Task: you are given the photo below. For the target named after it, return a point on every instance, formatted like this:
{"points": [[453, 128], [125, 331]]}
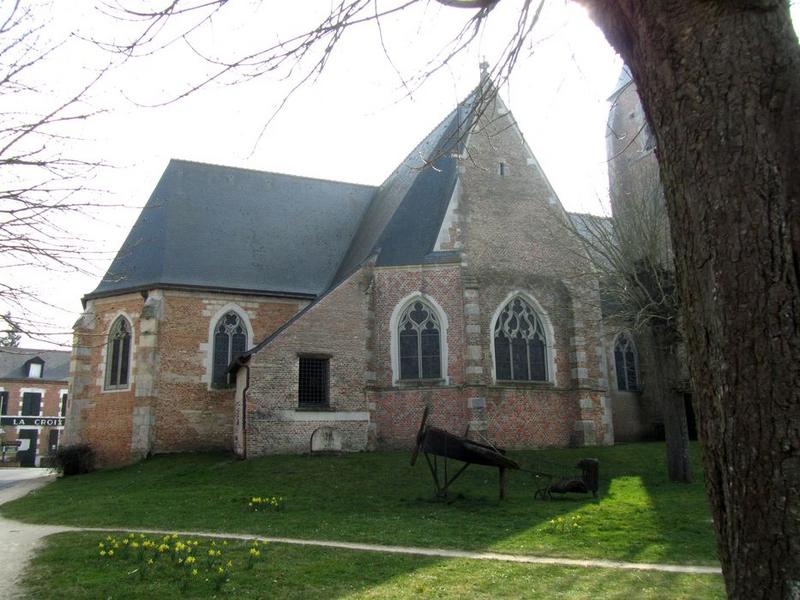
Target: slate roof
{"points": [[12, 363], [222, 228], [214, 227]]}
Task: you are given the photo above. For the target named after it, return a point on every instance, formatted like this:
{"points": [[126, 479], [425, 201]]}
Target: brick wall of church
{"points": [[336, 328], [169, 405], [101, 418]]}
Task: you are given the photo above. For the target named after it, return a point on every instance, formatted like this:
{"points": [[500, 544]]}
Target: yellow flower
{"points": [[194, 571], [220, 570], [111, 553], [102, 552], [180, 561], [150, 561], [230, 564], [211, 553], [190, 560], [131, 535], [135, 545], [101, 545]]}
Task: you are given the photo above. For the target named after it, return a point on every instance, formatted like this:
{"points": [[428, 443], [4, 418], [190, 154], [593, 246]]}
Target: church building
{"points": [[263, 313]]}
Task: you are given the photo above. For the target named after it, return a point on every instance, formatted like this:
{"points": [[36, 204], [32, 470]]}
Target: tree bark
{"points": [[719, 84]]}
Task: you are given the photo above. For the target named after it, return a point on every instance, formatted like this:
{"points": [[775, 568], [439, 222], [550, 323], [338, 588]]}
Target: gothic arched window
{"points": [[118, 355], [519, 343], [230, 340], [419, 335], [625, 363]]}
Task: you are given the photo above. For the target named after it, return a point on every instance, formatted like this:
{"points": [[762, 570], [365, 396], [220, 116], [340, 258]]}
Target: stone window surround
{"points": [[105, 358], [212, 324], [394, 338], [550, 347], [632, 343]]}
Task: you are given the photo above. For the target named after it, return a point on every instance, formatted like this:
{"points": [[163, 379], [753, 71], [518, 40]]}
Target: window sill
{"points": [[412, 383], [542, 385], [116, 389], [315, 408]]}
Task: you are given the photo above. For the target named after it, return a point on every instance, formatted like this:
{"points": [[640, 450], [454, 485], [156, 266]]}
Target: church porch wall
{"points": [[335, 328]]}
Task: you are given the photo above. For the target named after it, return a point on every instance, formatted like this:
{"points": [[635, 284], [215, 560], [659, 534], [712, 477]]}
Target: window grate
{"points": [[313, 383]]}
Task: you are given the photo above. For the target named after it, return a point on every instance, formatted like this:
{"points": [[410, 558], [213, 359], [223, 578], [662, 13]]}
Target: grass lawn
{"points": [[70, 567], [379, 498]]}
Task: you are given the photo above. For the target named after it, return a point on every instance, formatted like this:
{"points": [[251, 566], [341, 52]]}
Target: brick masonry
{"points": [[169, 405], [53, 392]]}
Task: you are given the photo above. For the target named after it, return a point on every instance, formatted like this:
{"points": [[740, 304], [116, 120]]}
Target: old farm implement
{"points": [[440, 446], [583, 478], [438, 443]]}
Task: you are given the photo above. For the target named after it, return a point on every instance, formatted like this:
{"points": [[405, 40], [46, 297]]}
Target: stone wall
{"points": [[337, 328]]}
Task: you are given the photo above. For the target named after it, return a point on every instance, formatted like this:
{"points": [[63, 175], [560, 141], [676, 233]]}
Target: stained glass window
{"points": [[625, 363], [519, 343], [230, 341], [419, 334], [118, 356]]}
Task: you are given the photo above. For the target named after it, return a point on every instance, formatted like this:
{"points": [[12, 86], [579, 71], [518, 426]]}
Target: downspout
{"points": [[240, 363], [244, 412]]}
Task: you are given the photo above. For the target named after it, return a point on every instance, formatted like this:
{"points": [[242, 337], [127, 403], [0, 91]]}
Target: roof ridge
{"points": [[263, 172]]}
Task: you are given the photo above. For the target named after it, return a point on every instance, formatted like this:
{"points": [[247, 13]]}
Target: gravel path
{"points": [[19, 540]]}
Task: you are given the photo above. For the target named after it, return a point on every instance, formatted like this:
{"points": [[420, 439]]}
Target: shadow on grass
{"points": [[69, 567], [378, 498]]}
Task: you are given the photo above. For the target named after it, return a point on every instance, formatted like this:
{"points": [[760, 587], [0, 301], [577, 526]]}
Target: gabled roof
{"points": [[13, 362], [214, 227], [403, 221], [222, 228]]}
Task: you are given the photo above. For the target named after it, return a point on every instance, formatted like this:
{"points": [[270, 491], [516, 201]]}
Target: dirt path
{"points": [[20, 540]]}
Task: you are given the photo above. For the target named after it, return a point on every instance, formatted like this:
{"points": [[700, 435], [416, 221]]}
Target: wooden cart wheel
{"points": [[420, 436]]}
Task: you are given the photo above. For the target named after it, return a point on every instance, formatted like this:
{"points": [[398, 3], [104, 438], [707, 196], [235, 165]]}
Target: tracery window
{"points": [[230, 340], [419, 335], [519, 343], [625, 363], [118, 357]]}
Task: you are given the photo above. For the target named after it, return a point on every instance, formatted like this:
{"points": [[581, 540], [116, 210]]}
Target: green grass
{"points": [[379, 498], [69, 566]]}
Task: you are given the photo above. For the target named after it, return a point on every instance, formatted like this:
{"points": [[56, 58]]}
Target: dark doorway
{"points": [[691, 422], [27, 458]]}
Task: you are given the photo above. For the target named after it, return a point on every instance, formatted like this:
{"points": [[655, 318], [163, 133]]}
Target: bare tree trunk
{"points": [[661, 371], [719, 81]]}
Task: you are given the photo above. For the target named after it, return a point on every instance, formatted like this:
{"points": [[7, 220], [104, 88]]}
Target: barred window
{"points": [[626, 364], [118, 357], [519, 343], [230, 341], [313, 385], [419, 335]]}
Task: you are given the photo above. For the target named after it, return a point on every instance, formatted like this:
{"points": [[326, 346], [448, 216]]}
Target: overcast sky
{"points": [[355, 123]]}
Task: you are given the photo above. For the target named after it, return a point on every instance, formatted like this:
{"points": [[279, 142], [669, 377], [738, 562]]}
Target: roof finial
{"points": [[484, 66]]}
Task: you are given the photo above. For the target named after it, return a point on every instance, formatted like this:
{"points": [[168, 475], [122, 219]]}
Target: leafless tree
{"points": [[42, 174], [631, 256], [719, 82]]}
